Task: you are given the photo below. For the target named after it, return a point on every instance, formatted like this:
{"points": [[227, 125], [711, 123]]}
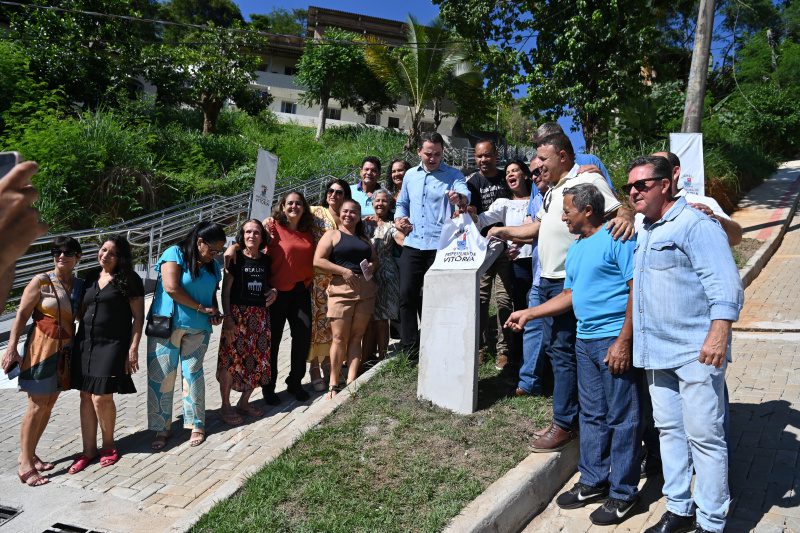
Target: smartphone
{"points": [[364, 264], [13, 372], [8, 160]]}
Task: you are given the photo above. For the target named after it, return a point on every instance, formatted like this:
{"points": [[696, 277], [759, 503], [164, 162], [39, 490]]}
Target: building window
{"points": [[394, 122], [289, 107], [334, 114], [373, 119], [427, 127], [289, 71]]}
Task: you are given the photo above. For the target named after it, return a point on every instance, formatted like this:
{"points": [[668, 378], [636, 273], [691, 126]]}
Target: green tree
{"points": [[335, 67], [282, 21], [86, 55], [589, 55], [218, 64], [223, 13], [423, 70]]}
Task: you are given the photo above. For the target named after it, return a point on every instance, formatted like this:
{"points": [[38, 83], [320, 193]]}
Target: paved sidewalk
{"points": [[146, 491], [763, 383]]}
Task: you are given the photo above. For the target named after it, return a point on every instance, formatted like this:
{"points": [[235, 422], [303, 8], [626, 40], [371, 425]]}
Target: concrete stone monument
{"points": [[448, 355]]}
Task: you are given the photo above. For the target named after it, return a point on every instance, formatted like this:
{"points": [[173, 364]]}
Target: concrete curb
{"points": [[312, 417], [513, 500], [759, 260]]}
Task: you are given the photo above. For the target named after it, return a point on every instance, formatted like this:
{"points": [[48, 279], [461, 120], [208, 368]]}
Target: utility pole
{"points": [[696, 88]]}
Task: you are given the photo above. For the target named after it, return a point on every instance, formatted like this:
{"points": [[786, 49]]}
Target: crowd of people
{"points": [[585, 295]]}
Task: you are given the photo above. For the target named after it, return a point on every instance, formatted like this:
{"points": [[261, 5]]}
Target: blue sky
{"points": [[423, 10]]}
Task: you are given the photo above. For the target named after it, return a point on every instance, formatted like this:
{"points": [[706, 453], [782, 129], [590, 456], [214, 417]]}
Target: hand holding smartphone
{"points": [[364, 264]]}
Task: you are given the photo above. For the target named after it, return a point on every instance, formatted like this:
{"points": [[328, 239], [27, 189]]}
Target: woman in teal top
{"points": [[188, 292]]}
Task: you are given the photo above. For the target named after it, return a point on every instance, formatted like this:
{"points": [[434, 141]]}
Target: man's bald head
{"points": [[675, 163]]}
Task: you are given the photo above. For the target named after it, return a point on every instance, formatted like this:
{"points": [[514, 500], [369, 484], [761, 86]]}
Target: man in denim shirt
{"points": [[421, 211], [687, 293]]}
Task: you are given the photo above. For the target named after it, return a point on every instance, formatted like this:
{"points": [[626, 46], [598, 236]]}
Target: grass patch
{"points": [[743, 251], [385, 461]]}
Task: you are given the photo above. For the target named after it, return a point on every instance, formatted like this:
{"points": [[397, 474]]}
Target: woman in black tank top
{"points": [[348, 255]]}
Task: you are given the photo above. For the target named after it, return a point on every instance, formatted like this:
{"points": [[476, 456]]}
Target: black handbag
{"points": [[159, 326]]}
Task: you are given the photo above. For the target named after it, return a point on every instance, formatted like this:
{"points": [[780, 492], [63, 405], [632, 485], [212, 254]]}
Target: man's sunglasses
{"points": [[639, 185], [336, 192], [56, 252], [536, 171]]}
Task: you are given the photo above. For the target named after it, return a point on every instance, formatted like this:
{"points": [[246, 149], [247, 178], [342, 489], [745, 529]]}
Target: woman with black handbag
{"points": [[107, 347], [52, 298], [186, 291]]}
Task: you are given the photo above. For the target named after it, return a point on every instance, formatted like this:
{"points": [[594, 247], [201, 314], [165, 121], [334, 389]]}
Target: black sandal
{"points": [[333, 390]]}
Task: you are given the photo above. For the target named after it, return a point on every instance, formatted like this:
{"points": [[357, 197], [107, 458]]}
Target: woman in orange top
{"points": [[292, 253]]}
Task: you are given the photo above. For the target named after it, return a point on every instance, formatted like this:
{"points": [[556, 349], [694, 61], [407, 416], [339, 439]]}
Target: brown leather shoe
{"points": [[501, 361], [521, 392], [553, 440]]}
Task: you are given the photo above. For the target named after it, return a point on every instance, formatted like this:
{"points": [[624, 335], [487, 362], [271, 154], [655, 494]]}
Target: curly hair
{"points": [[306, 219], [390, 186]]}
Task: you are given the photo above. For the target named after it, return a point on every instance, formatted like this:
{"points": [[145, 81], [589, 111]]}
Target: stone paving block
{"points": [[122, 492]]}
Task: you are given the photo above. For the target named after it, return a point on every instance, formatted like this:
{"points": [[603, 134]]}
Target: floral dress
{"points": [[320, 326], [387, 302]]}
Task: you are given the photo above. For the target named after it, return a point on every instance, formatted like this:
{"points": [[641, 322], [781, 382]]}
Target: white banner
{"points": [[689, 148], [264, 186]]}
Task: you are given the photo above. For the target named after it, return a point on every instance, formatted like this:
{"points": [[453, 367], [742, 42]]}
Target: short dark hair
{"points": [[431, 137], [559, 141], [585, 194], [306, 219], [661, 166], [67, 243], [372, 159], [348, 194], [486, 140], [673, 159]]}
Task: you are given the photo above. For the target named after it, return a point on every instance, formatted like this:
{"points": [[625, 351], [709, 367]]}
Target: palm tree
{"points": [[423, 70]]}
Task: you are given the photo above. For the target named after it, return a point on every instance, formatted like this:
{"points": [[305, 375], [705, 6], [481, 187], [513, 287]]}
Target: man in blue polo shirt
{"points": [[599, 278], [362, 191], [421, 211]]}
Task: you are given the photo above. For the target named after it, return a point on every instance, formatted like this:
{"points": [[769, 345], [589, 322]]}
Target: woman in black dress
{"points": [[108, 348]]}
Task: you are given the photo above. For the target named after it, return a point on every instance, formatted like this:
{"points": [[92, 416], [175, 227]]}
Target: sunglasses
{"points": [[336, 192], [639, 185], [536, 171], [56, 252]]}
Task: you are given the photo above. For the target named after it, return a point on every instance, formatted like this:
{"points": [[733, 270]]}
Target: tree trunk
{"points": [[696, 87], [437, 115], [211, 108], [412, 143], [590, 128], [323, 116]]}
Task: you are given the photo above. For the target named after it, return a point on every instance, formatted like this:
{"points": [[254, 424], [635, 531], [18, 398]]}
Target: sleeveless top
{"points": [[349, 252]]}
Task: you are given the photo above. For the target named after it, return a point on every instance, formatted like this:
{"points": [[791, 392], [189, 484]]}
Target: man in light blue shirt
{"points": [[422, 208], [687, 294], [362, 191], [599, 272]]}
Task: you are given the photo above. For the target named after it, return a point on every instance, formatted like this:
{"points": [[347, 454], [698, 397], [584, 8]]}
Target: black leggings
{"points": [[295, 306]]}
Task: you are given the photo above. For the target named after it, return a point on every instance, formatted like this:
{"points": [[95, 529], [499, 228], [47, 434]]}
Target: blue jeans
{"points": [[534, 338], [689, 411], [561, 349], [609, 421]]}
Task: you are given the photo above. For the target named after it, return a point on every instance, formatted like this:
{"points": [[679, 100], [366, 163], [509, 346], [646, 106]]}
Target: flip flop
{"points": [[229, 416], [160, 441], [41, 466], [33, 475], [193, 441], [109, 457], [80, 463]]}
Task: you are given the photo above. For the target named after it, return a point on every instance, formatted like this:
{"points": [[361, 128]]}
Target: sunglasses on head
{"points": [[639, 185], [336, 192], [56, 252]]}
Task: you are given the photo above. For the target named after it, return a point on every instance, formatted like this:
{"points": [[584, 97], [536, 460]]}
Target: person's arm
{"points": [[459, 194], [228, 324], [399, 237], [374, 261], [30, 297], [553, 307], [137, 310], [496, 213], [171, 279], [402, 211], [229, 258], [524, 234], [715, 347], [732, 228], [19, 220], [323, 252], [619, 356], [620, 218]]}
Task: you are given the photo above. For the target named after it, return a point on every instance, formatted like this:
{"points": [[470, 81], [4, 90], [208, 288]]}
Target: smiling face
{"points": [[431, 155], [207, 251], [293, 207], [369, 176], [252, 235], [552, 163], [335, 196], [515, 179], [486, 158], [576, 220], [381, 205], [107, 256], [65, 259], [398, 171], [350, 214]]}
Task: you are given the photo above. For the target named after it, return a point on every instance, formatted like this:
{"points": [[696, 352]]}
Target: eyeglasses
{"points": [[336, 192], [536, 171], [56, 252], [639, 185], [214, 252]]}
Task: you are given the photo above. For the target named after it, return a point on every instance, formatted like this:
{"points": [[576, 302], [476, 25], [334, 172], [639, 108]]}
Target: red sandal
{"points": [[80, 463], [35, 476], [109, 457]]}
